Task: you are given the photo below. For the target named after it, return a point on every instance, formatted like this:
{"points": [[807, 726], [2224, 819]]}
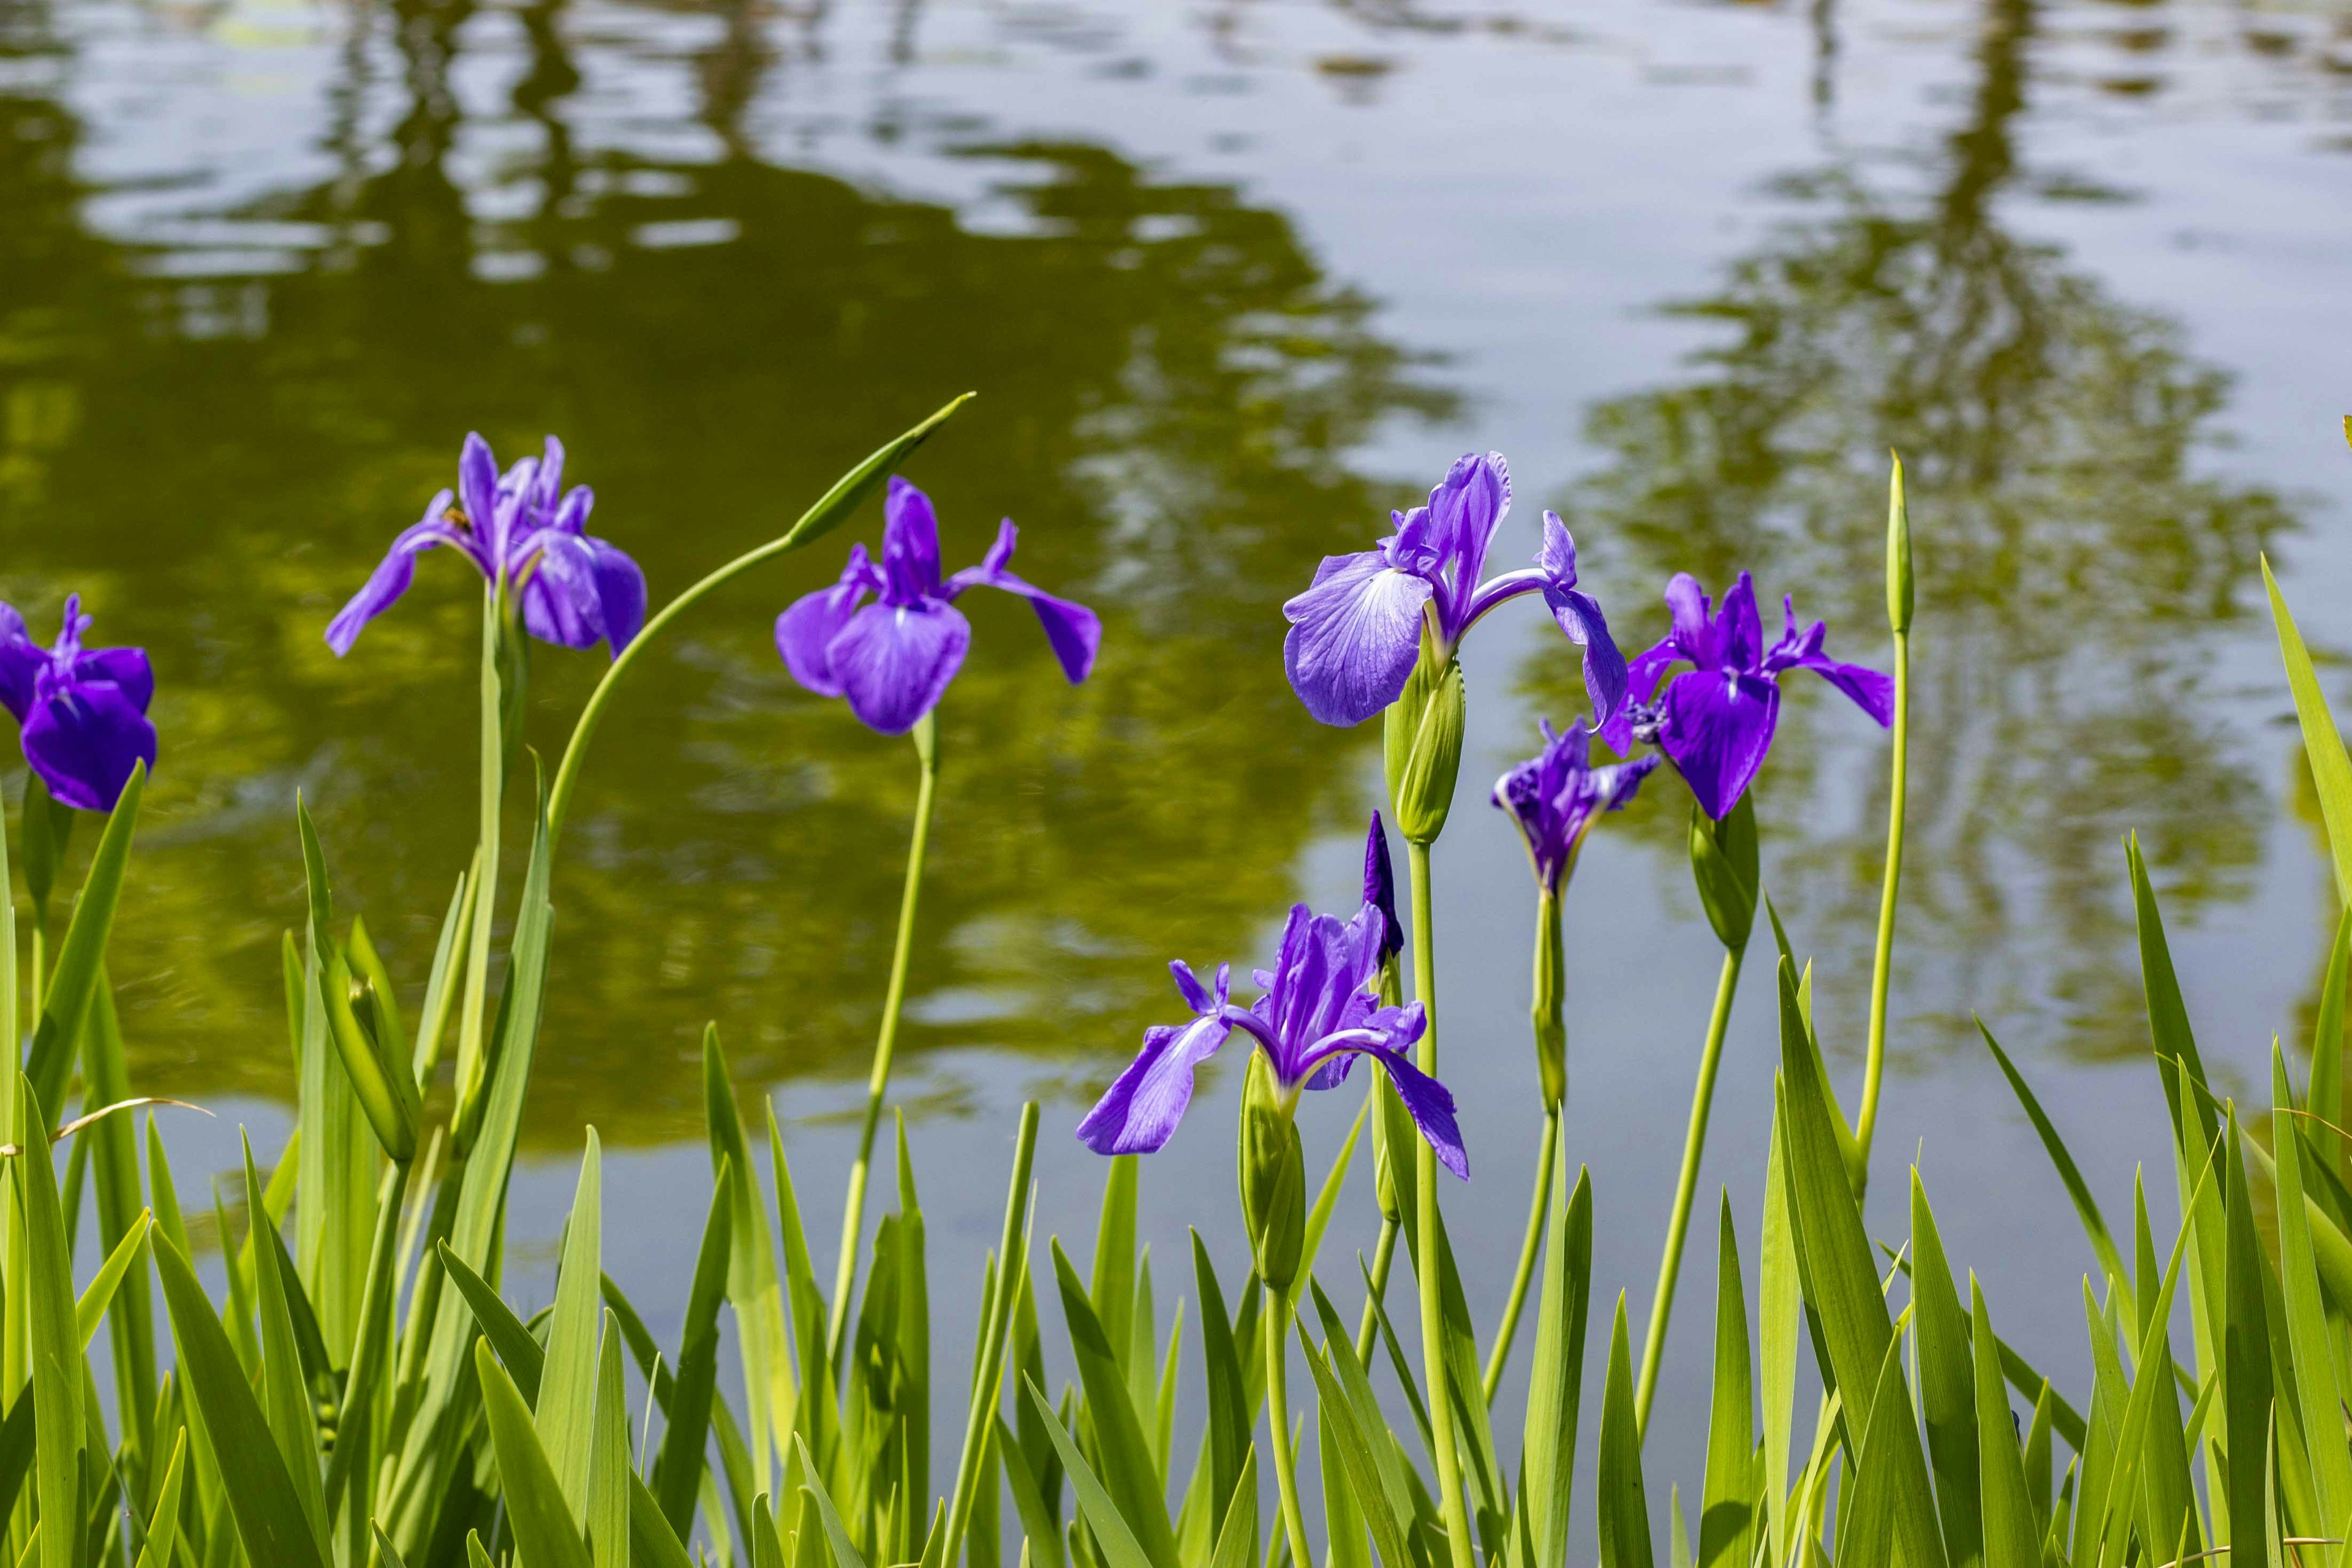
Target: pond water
{"points": [[1231, 279]]}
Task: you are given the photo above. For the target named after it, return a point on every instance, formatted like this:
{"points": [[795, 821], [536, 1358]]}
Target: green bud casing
{"points": [[1723, 865], [1549, 1011], [1898, 555], [1272, 1171], [1421, 742], [43, 832], [385, 1091]]}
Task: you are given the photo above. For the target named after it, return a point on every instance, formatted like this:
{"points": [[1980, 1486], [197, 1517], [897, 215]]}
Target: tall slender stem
{"points": [[1661, 1304], [853, 1212], [1383, 1259], [1539, 1210], [1452, 1507], [1276, 1326], [1883, 965], [472, 1069]]}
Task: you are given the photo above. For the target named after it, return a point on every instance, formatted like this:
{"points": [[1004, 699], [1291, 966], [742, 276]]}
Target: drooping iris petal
{"points": [[895, 661], [560, 603], [1354, 635], [84, 740], [21, 661], [1071, 630], [1718, 726], [394, 573], [620, 590], [1431, 1105], [1139, 1111]]}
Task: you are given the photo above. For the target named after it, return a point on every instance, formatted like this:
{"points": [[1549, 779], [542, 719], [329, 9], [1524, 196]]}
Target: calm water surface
{"points": [[1233, 281]]}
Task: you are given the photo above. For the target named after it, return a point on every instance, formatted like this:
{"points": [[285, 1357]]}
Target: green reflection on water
{"points": [[2078, 568], [1168, 378]]}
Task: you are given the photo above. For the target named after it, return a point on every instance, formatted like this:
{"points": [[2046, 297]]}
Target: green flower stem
{"points": [[1882, 966], [853, 1212], [1452, 1507], [472, 1069], [1277, 1325], [1538, 1212], [1662, 1305], [1383, 1258]]}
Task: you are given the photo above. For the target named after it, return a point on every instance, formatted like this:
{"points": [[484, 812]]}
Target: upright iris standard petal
{"points": [[1318, 1015], [574, 590], [1354, 636], [83, 712], [1717, 721], [1356, 632], [894, 660]]}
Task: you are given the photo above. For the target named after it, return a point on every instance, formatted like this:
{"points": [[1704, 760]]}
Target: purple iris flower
{"points": [[1355, 634], [83, 712], [523, 530], [1315, 1018], [1556, 795], [1717, 721], [893, 659]]}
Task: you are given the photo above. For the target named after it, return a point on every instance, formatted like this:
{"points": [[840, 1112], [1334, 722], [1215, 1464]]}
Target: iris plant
{"points": [[893, 660], [82, 710], [1554, 798], [1715, 723], [1317, 1015]]}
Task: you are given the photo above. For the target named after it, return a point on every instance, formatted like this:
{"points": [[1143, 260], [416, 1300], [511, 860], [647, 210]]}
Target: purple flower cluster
{"points": [[1556, 795], [523, 531], [82, 711], [893, 659]]}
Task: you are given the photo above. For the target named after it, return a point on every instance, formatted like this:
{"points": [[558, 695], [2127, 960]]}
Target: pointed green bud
{"points": [[1723, 864], [1392, 1138], [1273, 1171], [1898, 553], [1421, 742], [43, 833], [385, 1091], [1550, 1001], [368, 972]]}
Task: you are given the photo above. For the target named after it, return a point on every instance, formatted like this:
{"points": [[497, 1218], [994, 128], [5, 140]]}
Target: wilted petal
{"points": [[895, 661], [1141, 1109], [394, 573], [1354, 636], [1718, 727], [84, 740]]}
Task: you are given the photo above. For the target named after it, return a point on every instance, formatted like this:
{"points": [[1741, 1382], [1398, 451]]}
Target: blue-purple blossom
{"points": [[1556, 796], [1315, 1018], [524, 532], [1356, 633], [82, 711], [893, 659], [1380, 889], [1717, 721]]}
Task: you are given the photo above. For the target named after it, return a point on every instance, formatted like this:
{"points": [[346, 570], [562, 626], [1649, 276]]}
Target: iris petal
{"points": [[1718, 727], [21, 661], [1139, 1111], [1354, 636], [394, 573], [84, 740], [895, 661]]}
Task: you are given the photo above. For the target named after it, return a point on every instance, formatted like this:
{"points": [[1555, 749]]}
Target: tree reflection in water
{"points": [[2080, 568], [1169, 383]]}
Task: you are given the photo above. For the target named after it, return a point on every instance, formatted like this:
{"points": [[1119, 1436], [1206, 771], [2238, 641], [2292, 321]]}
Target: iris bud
{"points": [[1898, 555], [1392, 1136], [45, 829], [1421, 739], [386, 1089], [1272, 1179], [1550, 1021], [1723, 864]]}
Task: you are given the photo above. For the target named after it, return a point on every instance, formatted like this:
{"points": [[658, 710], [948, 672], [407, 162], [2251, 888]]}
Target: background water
{"points": [[1232, 280]]}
